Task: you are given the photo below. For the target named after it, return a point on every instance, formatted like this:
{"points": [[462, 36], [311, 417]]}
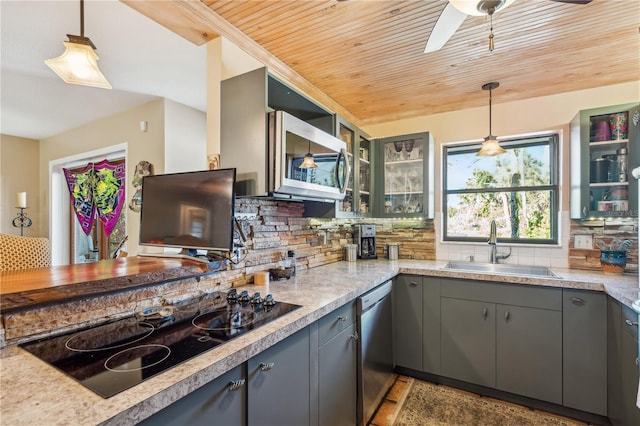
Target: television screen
{"points": [[193, 210]]}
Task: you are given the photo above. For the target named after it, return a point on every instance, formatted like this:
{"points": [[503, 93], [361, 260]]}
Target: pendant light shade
{"points": [[79, 62], [490, 147], [308, 162]]}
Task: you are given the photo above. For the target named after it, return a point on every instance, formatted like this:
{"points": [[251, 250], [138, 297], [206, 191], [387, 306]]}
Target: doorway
{"points": [[64, 230]]}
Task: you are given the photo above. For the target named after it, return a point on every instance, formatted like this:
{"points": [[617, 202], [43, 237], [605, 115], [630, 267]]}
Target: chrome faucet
{"points": [[493, 257], [493, 242]]}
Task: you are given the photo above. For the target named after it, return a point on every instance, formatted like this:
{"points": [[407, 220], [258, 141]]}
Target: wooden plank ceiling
{"points": [[367, 55]]}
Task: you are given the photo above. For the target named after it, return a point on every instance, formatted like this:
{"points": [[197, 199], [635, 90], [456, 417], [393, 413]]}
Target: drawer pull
{"points": [[266, 366], [342, 318], [235, 385], [577, 301], [630, 323], [413, 284], [355, 336], [484, 312]]}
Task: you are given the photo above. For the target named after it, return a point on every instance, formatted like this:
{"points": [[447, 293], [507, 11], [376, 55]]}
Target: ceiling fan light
{"points": [[308, 162], [479, 7], [490, 147], [79, 64]]}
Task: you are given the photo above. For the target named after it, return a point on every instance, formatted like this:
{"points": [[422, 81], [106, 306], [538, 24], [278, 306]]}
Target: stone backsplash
{"points": [[603, 232]]}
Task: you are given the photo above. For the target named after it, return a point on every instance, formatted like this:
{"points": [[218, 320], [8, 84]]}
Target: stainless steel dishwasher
{"points": [[375, 349]]}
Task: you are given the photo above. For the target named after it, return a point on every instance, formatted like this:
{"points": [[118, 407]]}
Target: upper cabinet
{"points": [[605, 145], [405, 176], [246, 101], [358, 199]]}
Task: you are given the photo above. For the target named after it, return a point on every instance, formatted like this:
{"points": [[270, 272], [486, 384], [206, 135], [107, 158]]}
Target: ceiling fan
{"points": [[456, 11]]}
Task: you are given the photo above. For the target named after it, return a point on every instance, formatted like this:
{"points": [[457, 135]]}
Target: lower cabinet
{"points": [[623, 371], [468, 342], [220, 402], [507, 337], [416, 322], [272, 388], [584, 353], [337, 367], [278, 383], [529, 351]]}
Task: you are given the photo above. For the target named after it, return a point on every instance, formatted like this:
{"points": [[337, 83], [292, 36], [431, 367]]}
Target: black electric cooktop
{"points": [[123, 353]]}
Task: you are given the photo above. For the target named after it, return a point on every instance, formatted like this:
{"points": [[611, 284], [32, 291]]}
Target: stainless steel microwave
{"points": [[290, 140]]}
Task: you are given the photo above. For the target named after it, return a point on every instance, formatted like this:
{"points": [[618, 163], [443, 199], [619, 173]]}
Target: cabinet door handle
{"points": [[413, 284], [355, 336], [484, 312], [577, 301], [506, 315], [630, 323], [266, 366], [235, 385]]}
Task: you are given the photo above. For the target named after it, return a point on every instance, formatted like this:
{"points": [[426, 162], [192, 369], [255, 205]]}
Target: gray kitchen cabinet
{"points": [[405, 176], [416, 322], [407, 321], [220, 402], [468, 341], [358, 200], [278, 383], [337, 367], [529, 352], [623, 374], [504, 336], [584, 350], [244, 128], [605, 147], [431, 325]]}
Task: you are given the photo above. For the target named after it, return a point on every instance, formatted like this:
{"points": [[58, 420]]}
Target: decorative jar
{"points": [[613, 261]]}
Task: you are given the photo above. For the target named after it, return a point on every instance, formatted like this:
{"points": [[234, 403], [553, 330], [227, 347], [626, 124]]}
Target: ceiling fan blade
{"points": [[574, 1], [448, 22]]}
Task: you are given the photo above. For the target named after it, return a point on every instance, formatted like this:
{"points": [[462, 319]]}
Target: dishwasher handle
{"points": [[372, 298]]}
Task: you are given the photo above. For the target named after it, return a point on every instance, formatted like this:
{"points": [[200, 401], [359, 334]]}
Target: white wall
{"points": [[185, 138], [510, 119], [19, 172]]}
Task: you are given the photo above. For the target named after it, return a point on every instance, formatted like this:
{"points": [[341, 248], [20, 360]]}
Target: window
{"points": [[518, 189]]}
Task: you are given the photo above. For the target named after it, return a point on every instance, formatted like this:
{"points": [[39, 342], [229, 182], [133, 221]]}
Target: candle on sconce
{"points": [[22, 200]]}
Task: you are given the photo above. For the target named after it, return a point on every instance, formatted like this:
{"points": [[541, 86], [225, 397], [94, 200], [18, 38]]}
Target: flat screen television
{"points": [[191, 211]]}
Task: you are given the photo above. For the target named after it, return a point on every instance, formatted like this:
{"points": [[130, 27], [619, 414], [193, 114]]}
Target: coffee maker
{"points": [[364, 235]]}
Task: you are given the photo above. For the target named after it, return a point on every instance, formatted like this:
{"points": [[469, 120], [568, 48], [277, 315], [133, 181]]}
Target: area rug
{"points": [[428, 404]]}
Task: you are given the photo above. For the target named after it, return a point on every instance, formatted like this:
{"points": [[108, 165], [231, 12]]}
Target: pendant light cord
{"points": [[82, 18], [490, 133]]}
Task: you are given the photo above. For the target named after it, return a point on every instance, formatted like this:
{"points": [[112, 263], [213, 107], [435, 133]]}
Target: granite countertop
{"points": [[34, 392]]}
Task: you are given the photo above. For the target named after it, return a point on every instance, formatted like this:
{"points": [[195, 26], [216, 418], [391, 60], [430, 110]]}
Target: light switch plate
{"points": [[583, 241]]}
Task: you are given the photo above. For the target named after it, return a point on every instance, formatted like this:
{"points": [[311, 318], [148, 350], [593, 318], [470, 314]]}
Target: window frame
{"points": [[553, 187]]}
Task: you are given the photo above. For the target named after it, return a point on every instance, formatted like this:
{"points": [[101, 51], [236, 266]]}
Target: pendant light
{"points": [[79, 62], [308, 162], [490, 147]]}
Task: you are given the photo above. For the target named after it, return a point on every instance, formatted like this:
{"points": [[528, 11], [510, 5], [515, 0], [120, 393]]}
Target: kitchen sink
{"points": [[501, 268]]}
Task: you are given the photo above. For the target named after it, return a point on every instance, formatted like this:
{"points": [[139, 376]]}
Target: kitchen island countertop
{"points": [[34, 392]]}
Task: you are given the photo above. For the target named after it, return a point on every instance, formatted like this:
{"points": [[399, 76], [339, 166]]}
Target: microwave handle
{"points": [[347, 166]]}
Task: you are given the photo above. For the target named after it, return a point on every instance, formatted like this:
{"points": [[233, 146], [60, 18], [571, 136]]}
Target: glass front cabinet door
{"points": [[358, 199], [605, 146], [405, 176]]}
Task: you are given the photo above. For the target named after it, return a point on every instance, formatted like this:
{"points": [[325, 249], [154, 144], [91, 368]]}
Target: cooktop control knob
{"points": [[256, 299], [268, 300], [244, 297], [232, 296]]}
